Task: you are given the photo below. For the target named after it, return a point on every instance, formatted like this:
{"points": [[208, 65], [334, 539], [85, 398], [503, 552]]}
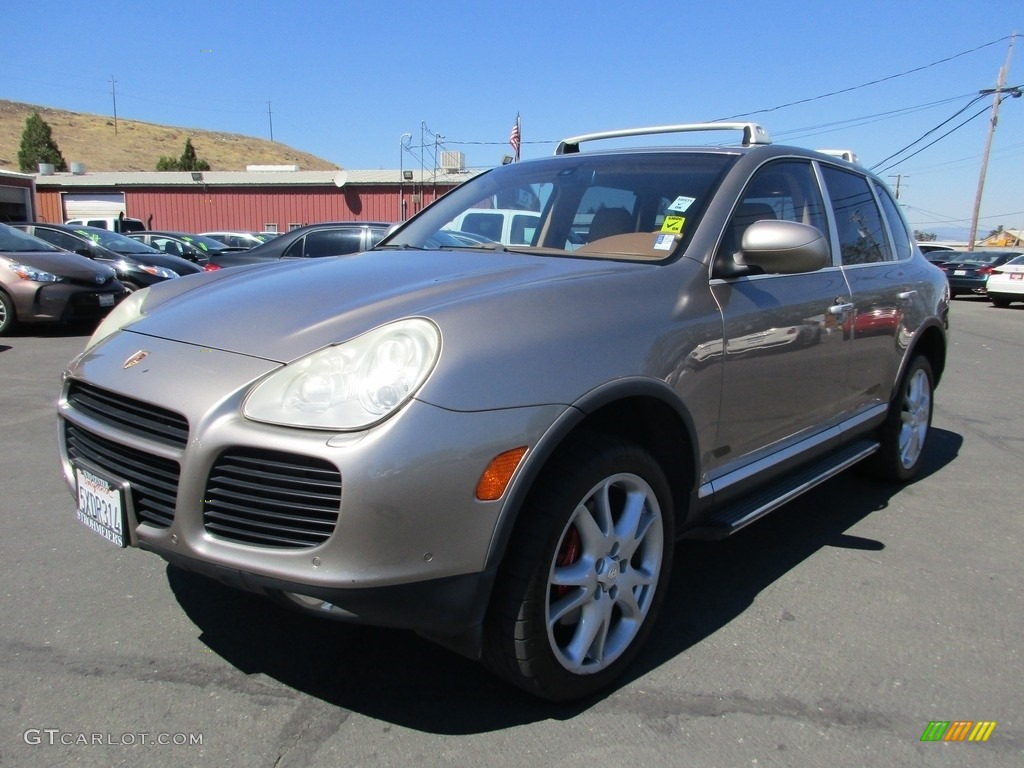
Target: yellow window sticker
{"points": [[673, 224]]}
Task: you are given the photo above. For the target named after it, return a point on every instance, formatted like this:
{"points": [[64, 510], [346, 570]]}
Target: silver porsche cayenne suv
{"points": [[498, 443]]}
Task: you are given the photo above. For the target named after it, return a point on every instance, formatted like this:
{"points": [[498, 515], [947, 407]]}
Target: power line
{"points": [[863, 85], [928, 133]]}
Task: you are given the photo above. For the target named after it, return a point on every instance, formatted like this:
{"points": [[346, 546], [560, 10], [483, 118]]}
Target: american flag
{"points": [[513, 139]]}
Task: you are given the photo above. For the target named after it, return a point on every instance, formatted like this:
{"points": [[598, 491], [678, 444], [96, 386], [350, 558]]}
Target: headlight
{"points": [[36, 275], [352, 385], [128, 311], [166, 274]]}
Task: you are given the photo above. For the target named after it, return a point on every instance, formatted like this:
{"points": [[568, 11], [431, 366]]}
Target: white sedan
{"points": [[1006, 283]]}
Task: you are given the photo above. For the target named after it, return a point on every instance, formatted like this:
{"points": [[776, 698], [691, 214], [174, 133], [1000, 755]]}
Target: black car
{"points": [[967, 272], [195, 248], [137, 265], [333, 238]]}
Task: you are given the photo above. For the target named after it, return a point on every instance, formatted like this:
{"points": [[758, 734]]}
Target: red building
{"points": [[261, 200]]}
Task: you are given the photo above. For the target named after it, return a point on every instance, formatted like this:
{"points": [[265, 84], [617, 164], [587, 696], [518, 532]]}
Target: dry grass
{"points": [[137, 146]]}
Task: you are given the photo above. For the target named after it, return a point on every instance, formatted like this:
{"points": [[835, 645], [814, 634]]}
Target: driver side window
{"points": [[783, 191]]}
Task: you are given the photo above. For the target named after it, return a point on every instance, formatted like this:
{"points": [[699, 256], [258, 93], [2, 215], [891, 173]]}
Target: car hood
{"points": [[63, 264], [157, 259], [286, 310]]}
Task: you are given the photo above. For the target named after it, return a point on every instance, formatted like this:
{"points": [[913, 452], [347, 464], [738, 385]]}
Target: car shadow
{"points": [[396, 677], [52, 330]]}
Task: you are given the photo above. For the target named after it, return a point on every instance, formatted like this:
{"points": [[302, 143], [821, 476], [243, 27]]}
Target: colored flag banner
{"points": [[513, 138], [958, 730]]}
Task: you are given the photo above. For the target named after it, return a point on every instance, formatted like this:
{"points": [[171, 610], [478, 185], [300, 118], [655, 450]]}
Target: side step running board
{"points": [[750, 508]]}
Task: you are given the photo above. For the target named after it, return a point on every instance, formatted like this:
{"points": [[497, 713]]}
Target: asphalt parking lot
{"points": [[831, 633]]}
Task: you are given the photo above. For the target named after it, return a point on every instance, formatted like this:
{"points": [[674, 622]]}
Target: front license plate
{"points": [[101, 506], [106, 299]]}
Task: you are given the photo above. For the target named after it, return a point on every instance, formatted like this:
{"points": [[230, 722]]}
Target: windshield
{"points": [[15, 241], [622, 206], [114, 241]]}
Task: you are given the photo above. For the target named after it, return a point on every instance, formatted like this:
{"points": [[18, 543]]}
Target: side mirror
{"points": [[784, 247]]}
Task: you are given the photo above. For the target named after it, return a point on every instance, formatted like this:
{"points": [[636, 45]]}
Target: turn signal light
{"points": [[496, 477]]}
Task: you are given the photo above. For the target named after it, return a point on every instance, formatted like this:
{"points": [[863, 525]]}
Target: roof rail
{"points": [[752, 134], [844, 154]]}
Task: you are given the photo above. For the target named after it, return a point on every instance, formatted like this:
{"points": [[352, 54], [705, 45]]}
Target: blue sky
{"points": [[345, 80]]}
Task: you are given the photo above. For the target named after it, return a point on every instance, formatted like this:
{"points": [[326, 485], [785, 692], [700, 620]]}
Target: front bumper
{"points": [[408, 543], [52, 302]]}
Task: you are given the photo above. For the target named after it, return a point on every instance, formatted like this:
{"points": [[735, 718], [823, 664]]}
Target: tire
{"points": [[1000, 303], [130, 286], [904, 433], [584, 574], [8, 317]]}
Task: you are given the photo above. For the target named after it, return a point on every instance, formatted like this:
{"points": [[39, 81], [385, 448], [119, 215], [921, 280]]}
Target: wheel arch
{"points": [[930, 342], [644, 411]]}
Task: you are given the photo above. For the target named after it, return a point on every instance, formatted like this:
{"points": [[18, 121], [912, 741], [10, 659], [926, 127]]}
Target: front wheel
{"points": [[8, 318], [904, 433], [585, 572]]}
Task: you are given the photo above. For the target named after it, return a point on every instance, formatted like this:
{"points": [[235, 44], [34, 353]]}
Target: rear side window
{"points": [[898, 227], [484, 224], [332, 242], [862, 238]]}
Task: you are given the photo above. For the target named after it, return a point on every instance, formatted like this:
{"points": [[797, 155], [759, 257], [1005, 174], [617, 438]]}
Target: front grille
{"points": [[153, 480], [272, 499], [129, 415]]}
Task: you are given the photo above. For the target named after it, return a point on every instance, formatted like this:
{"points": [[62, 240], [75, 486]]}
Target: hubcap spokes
{"points": [[597, 601], [914, 417]]}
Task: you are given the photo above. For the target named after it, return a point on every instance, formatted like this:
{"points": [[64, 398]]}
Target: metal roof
{"points": [[246, 178]]}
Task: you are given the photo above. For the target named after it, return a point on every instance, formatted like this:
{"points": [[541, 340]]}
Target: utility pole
{"points": [[899, 180], [113, 94], [998, 91], [270, 117]]}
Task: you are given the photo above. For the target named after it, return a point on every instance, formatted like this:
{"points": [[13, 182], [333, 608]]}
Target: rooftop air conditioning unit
{"points": [[453, 162]]}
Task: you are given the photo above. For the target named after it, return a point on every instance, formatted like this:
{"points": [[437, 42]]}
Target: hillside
{"points": [[90, 139]]}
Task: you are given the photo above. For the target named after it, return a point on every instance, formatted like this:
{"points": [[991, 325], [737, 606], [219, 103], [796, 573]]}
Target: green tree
{"points": [[38, 146], [924, 237], [187, 162]]}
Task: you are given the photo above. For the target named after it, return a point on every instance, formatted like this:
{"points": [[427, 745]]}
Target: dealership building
{"points": [[17, 196], [261, 198]]}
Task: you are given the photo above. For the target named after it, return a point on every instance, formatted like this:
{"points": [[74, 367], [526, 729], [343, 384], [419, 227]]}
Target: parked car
{"points": [[40, 283], [498, 445], [122, 223], [332, 238], [194, 248], [1006, 283], [511, 226], [968, 271], [137, 265], [927, 248], [241, 239]]}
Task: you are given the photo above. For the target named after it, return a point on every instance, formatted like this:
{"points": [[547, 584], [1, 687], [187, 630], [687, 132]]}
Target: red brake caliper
{"points": [[568, 554]]}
